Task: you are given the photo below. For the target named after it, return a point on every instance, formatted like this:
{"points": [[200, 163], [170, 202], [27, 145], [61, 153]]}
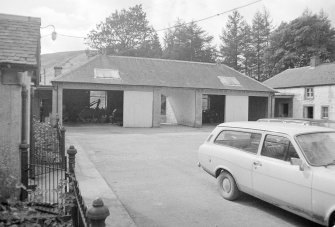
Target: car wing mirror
{"points": [[297, 162]]}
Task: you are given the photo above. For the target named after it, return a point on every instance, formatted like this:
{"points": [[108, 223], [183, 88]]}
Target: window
{"points": [[229, 81], [278, 147], [246, 141], [107, 74], [309, 93], [98, 99], [318, 147], [324, 111]]}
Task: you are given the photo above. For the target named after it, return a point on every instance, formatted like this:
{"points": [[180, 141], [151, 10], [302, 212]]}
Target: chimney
{"points": [[315, 61], [58, 70]]}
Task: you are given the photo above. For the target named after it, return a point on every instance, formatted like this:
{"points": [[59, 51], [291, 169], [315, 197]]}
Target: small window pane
{"points": [[309, 93], [242, 140]]}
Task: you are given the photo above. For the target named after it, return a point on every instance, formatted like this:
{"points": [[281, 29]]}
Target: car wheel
{"points": [[332, 221], [227, 186]]}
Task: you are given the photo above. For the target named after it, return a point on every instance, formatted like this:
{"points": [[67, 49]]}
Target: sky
{"points": [[78, 17]]}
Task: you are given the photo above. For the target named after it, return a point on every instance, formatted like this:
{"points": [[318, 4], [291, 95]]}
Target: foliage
{"points": [[126, 33], [293, 44], [188, 42], [243, 46], [35, 213], [46, 143], [232, 40], [247, 52], [260, 35]]}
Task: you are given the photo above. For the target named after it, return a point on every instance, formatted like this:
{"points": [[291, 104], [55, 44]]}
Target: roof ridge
{"points": [[61, 52], [161, 59], [19, 17], [75, 68]]}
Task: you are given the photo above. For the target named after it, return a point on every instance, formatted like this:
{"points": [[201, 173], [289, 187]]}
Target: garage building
{"points": [[146, 92]]}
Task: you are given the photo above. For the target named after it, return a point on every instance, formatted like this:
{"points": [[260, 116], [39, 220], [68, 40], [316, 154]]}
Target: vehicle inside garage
{"points": [[85, 106], [213, 109]]}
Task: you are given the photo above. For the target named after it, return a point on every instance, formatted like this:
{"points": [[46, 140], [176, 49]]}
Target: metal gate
{"points": [[47, 163]]}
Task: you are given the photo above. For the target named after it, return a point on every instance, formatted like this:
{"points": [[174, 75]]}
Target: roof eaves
{"points": [[20, 63], [305, 85]]}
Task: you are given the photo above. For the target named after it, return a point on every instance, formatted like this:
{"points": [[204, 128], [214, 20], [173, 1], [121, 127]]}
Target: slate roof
{"points": [[160, 72], [323, 74], [67, 60], [19, 39]]}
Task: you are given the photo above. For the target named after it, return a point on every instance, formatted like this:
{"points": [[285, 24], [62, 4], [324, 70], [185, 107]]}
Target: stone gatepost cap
{"points": [[72, 150], [98, 211]]}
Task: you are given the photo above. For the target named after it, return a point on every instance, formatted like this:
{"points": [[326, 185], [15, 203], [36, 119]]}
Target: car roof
{"points": [[287, 128], [295, 119]]}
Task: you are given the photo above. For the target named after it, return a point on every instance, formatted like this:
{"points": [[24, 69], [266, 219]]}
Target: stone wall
{"points": [[10, 122]]}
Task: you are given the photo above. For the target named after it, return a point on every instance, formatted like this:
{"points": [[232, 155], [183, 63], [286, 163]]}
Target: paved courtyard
{"points": [[154, 175]]}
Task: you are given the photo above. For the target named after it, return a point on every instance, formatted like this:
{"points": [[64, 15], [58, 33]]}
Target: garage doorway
{"points": [[87, 106], [213, 109], [74, 101]]}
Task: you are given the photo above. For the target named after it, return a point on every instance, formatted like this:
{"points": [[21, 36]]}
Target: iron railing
{"points": [[47, 165], [49, 176]]}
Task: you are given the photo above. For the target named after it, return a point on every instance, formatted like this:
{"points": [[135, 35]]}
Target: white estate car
{"points": [[289, 165]]}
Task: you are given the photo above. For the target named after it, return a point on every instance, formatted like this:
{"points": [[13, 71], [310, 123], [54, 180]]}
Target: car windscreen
{"points": [[318, 147]]}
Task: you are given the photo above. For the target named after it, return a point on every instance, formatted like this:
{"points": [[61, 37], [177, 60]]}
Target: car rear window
{"points": [[246, 141]]}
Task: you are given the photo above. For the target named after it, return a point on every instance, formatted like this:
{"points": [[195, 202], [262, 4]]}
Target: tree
{"points": [[126, 33], [293, 44], [232, 39], [261, 28], [188, 42], [247, 51]]}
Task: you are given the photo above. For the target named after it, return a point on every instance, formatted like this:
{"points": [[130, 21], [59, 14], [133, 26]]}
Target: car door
{"points": [[235, 150], [276, 180]]}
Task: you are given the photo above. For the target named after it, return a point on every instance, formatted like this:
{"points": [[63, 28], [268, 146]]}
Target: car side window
{"points": [[278, 147], [291, 153], [246, 141]]}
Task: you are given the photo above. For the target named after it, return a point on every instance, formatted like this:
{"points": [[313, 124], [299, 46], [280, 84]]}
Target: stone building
{"points": [[305, 92], [19, 68]]}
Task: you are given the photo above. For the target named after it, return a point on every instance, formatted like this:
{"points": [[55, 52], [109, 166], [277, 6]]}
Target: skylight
{"points": [[229, 81], [107, 74]]}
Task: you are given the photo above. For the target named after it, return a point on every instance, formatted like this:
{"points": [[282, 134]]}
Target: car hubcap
{"points": [[226, 185]]}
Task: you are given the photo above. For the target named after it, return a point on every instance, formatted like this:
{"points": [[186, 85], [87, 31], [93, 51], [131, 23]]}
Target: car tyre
{"points": [[332, 220], [227, 186]]}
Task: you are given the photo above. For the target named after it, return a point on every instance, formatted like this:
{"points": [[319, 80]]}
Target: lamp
{"points": [[54, 33]]}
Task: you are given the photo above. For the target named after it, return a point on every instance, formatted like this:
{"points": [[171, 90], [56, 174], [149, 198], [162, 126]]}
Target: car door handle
{"points": [[257, 163]]}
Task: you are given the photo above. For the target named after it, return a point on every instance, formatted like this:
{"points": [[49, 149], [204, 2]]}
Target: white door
{"points": [[279, 182]]}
